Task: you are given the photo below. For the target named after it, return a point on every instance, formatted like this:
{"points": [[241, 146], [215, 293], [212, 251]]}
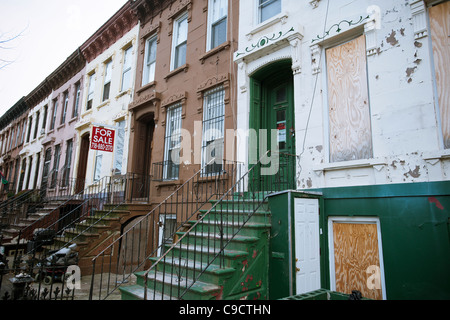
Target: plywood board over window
{"points": [[348, 102], [440, 33], [355, 254]]}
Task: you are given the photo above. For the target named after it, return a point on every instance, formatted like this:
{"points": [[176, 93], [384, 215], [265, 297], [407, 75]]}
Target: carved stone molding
{"points": [[212, 82], [180, 97], [419, 18]]}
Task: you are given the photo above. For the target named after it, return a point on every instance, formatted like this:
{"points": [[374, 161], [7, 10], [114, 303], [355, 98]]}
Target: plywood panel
{"points": [[355, 250], [440, 33], [348, 102]]}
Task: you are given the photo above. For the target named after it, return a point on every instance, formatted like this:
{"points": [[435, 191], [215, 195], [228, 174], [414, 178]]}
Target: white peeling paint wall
{"points": [[405, 125]]}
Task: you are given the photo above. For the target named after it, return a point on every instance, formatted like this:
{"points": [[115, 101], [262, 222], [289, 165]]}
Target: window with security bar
{"points": [[213, 130], [172, 143]]}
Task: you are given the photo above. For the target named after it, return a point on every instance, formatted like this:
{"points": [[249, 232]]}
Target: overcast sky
{"points": [[50, 31]]}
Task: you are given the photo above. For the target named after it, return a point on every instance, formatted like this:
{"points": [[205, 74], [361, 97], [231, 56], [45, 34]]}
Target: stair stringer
{"points": [[250, 279]]}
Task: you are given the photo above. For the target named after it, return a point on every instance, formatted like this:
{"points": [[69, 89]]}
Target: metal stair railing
{"points": [[10, 206], [26, 234], [148, 234], [190, 257], [114, 193]]}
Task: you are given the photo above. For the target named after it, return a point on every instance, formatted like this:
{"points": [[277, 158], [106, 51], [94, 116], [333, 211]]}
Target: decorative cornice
{"points": [[338, 27], [178, 97], [115, 28], [212, 82], [145, 99], [265, 41]]}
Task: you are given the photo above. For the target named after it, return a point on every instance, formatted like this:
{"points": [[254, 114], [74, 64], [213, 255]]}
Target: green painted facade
{"points": [[415, 232]]}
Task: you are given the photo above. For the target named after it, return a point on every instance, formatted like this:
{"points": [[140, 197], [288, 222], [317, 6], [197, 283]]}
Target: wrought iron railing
{"points": [[144, 239], [206, 240]]}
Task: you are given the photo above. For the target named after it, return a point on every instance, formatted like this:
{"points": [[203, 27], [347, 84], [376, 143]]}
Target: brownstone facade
{"points": [[206, 67]]}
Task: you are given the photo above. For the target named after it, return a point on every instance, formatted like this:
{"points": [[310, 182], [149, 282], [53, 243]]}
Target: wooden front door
{"points": [[82, 163], [272, 117], [356, 259]]}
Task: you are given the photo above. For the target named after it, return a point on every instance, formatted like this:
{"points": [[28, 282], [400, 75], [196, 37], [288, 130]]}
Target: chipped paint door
{"points": [[307, 248]]}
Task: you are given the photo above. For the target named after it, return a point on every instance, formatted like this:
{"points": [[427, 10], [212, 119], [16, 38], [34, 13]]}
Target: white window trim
{"points": [[146, 69], [107, 78], [169, 134], [175, 36], [90, 90], [210, 24], [126, 68], [354, 220], [258, 13]]}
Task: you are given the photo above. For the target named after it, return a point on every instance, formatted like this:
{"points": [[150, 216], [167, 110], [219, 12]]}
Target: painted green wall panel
{"points": [[414, 230]]}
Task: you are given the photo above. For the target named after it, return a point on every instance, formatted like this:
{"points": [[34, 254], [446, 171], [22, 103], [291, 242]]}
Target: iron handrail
{"points": [[223, 244], [175, 195]]}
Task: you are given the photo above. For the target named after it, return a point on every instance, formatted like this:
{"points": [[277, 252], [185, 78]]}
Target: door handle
{"points": [[296, 268]]}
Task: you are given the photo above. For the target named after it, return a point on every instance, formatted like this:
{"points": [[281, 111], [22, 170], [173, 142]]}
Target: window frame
{"points": [[174, 63], [127, 68], [55, 110], [260, 7], [66, 105], [107, 79], [213, 119], [173, 129], [147, 72], [212, 23], [76, 101], [91, 91]]}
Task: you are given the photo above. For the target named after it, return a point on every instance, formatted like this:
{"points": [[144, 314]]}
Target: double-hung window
{"points": [[150, 60], [56, 166], [36, 127], [213, 130], [44, 119], [126, 72], [172, 143], [179, 42], [218, 14], [66, 104], [55, 110], [77, 100], [107, 82], [120, 143], [268, 8], [98, 166], [68, 164], [90, 97]]}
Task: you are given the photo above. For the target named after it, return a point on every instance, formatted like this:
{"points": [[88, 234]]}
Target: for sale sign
{"points": [[102, 139]]}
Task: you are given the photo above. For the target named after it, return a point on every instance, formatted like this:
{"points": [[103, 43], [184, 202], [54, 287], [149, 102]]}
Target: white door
{"points": [[307, 248]]}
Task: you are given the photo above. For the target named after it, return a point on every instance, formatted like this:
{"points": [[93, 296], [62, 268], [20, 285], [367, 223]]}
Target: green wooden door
{"points": [[272, 109]]}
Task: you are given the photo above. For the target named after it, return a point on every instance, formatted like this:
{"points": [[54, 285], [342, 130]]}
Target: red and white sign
{"points": [[102, 139]]}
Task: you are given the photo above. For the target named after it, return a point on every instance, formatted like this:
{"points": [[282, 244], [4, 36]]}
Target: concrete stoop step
{"points": [[235, 274]]}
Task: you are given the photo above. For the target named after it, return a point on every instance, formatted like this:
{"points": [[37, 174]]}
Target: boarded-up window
{"points": [[440, 33], [348, 102], [356, 257]]}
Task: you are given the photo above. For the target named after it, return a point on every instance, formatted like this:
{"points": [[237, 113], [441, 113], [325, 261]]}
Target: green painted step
{"points": [[212, 273], [136, 292], [174, 285], [214, 239]]}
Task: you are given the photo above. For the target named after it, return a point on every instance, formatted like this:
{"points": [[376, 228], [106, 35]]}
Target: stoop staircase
{"points": [[219, 248], [196, 268]]}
